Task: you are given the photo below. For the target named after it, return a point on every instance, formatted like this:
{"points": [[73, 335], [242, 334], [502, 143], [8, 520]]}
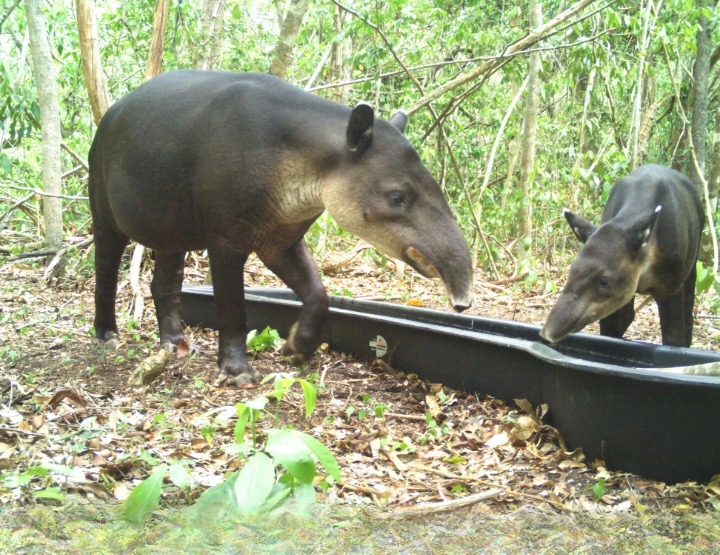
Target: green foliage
{"points": [[583, 126], [599, 488], [40, 475], [267, 340], [706, 281], [280, 465], [144, 498]]}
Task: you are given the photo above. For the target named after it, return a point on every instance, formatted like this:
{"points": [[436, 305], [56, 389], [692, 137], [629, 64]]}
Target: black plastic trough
{"points": [[601, 394]]}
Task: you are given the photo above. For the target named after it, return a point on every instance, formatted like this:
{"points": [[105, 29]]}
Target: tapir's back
{"points": [[651, 186], [164, 156]]}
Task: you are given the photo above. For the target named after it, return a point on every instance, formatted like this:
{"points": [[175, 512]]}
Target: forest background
{"points": [[519, 109]]}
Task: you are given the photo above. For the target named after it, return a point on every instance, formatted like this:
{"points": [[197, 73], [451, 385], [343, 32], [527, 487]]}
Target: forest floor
{"points": [[76, 437]]}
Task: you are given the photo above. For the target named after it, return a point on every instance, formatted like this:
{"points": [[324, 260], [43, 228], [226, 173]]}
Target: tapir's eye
{"points": [[397, 198], [604, 281]]}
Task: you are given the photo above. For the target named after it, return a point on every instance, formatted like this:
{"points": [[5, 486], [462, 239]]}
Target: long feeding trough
{"points": [[605, 395]]}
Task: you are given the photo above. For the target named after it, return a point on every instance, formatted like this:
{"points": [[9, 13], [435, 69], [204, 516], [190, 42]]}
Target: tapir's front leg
{"points": [[619, 321], [296, 267], [672, 320], [227, 267]]}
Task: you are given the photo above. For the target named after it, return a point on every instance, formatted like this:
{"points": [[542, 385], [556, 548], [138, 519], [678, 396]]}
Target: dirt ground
{"points": [[66, 400]]}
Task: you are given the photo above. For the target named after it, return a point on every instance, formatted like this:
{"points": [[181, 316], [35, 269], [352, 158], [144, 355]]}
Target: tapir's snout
{"points": [[548, 336], [570, 314], [456, 274]]}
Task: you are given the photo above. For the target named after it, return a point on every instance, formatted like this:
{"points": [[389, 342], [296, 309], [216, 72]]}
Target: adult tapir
{"points": [[647, 243], [241, 163]]}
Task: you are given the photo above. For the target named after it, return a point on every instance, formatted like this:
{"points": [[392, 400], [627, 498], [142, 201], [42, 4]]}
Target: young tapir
{"points": [[242, 163], [647, 243]]}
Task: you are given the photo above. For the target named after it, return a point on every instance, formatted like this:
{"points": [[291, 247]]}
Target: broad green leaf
{"points": [[323, 454], [280, 492], [599, 488], [217, 500], [258, 403], [254, 483], [310, 395], [304, 495], [50, 493], [243, 415], [292, 453], [180, 476], [144, 497]]}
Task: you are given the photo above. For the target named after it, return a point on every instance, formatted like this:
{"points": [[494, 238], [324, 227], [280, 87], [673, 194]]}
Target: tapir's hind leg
{"points": [[689, 291], [109, 248], [296, 267], [165, 288], [619, 321]]}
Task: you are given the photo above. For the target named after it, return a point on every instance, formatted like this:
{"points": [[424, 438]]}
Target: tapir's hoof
{"points": [[300, 351], [227, 379], [110, 339], [180, 349]]}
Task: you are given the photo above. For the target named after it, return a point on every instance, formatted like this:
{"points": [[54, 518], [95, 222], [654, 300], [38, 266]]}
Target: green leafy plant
{"points": [[46, 474], [267, 340], [599, 488], [280, 464], [143, 499]]}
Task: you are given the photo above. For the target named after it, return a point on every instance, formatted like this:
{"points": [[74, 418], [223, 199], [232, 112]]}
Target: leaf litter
{"points": [[409, 447]]}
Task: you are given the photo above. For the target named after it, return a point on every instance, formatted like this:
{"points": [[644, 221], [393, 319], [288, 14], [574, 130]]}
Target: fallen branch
{"points": [[150, 369], [51, 268], [334, 266], [415, 417], [37, 254]]}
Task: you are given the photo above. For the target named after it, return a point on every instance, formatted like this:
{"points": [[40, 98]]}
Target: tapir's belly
{"points": [[162, 218]]}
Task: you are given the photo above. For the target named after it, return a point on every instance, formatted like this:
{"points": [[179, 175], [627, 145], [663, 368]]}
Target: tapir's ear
{"points": [[579, 225], [360, 126], [641, 230], [399, 120]]}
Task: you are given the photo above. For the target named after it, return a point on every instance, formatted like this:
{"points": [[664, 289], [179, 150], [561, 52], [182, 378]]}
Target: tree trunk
{"points": [[636, 118], [289, 31], [45, 82], [154, 65], [341, 51], [90, 53], [210, 23], [527, 150], [701, 81]]}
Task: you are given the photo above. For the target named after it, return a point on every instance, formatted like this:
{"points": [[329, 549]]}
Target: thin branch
{"points": [[15, 206], [476, 220], [385, 40], [43, 193], [50, 270], [444, 63], [528, 40], [8, 13]]}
